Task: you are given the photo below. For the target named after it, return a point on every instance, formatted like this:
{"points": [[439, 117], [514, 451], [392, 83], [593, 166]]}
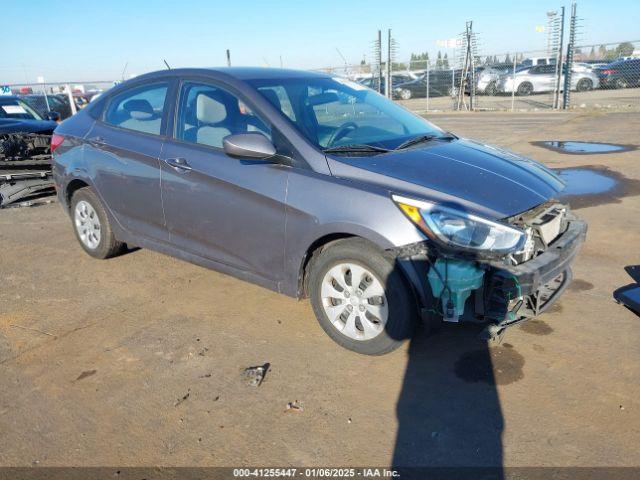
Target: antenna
{"points": [[126, 64], [165, 62]]}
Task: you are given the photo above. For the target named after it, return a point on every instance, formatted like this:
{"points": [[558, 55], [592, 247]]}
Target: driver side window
{"points": [[207, 114]]}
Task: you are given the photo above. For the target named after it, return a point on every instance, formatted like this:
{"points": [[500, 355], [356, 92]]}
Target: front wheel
{"points": [[360, 298], [91, 225]]}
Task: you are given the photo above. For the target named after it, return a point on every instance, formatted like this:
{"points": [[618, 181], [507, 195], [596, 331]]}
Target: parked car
{"points": [[57, 103], [440, 82], [620, 74], [17, 116], [542, 78], [487, 77], [315, 186], [533, 61], [396, 79]]}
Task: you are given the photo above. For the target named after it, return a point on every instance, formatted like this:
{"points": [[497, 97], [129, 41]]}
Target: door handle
{"points": [[97, 140], [179, 164]]}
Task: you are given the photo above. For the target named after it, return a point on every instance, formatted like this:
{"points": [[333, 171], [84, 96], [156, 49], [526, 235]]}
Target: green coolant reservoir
{"points": [[461, 277]]}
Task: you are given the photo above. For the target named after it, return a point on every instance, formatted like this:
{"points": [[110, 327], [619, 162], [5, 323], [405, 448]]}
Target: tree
{"points": [[602, 52], [507, 59], [625, 49], [445, 62], [439, 60], [592, 53]]}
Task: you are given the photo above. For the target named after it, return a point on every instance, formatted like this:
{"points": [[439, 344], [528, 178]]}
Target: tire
{"points": [[492, 89], [621, 83], [524, 89], [405, 94], [91, 225], [356, 329], [584, 84]]}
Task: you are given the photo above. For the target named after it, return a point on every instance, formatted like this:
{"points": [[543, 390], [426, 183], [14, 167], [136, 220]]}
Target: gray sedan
{"points": [[316, 186]]}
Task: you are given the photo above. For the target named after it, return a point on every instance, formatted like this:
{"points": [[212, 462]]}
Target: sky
{"points": [[74, 40]]}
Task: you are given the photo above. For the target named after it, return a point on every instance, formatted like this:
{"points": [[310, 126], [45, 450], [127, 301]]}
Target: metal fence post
{"points": [[72, 103], [387, 89], [427, 85], [513, 83], [566, 94], [556, 93]]}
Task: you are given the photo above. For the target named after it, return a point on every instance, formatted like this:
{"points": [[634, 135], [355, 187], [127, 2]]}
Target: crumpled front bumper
{"points": [[524, 290], [545, 267]]}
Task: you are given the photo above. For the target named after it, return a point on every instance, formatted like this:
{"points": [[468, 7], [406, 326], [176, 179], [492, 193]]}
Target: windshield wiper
{"points": [[426, 138], [355, 148]]}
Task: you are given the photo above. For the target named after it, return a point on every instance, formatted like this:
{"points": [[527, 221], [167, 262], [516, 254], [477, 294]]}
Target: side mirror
{"points": [[248, 145], [53, 116]]}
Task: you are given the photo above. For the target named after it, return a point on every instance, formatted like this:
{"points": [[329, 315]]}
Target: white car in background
{"points": [[542, 78]]}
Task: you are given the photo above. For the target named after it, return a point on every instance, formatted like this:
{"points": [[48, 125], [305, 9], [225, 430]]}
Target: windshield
{"points": [[332, 112], [14, 108]]}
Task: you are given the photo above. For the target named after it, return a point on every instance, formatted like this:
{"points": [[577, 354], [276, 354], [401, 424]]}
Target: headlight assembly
{"points": [[456, 228]]}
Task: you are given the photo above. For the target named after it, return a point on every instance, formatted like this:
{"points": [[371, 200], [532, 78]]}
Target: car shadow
{"points": [[449, 415]]}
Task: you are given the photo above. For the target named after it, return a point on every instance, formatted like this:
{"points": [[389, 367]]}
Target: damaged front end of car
{"points": [[25, 167], [496, 272]]}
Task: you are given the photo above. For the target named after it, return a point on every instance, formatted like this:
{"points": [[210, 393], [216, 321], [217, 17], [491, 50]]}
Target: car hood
{"points": [[13, 125], [475, 177]]}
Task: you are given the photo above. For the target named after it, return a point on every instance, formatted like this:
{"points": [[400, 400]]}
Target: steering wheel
{"points": [[340, 132]]}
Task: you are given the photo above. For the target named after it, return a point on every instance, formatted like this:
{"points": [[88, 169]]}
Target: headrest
{"points": [[210, 109], [139, 109], [272, 97]]}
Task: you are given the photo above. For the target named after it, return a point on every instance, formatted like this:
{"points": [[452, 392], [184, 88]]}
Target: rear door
{"points": [[220, 208], [123, 154]]}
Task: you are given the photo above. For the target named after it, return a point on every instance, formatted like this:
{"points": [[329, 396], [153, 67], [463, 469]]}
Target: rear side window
{"points": [[138, 109]]}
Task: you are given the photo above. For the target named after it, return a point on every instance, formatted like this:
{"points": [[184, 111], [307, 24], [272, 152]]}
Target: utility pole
{"points": [[566, 94], [228, 58]]}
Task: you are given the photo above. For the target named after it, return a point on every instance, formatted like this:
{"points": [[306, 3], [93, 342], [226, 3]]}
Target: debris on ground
{"points": [[256, 375], [184, 397], [294, 406], [85, 374]]}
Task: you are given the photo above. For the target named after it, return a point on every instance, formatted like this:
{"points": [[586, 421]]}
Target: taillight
{"points": [[610, 71], [56, 141]]}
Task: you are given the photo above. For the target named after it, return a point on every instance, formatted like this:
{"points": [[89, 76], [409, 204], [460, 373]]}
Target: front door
{"points": [[220, 208]]}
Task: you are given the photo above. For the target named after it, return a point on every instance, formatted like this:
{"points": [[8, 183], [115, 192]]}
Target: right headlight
{"points": [[459, 229]]}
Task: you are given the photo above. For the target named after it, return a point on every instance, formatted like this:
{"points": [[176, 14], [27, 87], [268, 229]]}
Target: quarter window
{"points": [[208, 114], [139, 109]]}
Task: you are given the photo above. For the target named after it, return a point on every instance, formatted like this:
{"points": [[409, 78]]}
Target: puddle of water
{"points": [[581, 181], [595, 185], [584, 148]]}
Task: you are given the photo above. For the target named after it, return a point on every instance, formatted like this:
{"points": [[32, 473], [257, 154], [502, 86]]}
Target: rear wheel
{"points": [[584, 84], [524, 89], [360, 298], [91, 225], [405, 94]]}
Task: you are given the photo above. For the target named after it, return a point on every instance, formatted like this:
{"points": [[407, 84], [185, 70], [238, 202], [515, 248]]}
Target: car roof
{"points": [[240, 73]]}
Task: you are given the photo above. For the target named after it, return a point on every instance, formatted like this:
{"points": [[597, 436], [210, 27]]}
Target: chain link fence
{"points": [[600, 76]]}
